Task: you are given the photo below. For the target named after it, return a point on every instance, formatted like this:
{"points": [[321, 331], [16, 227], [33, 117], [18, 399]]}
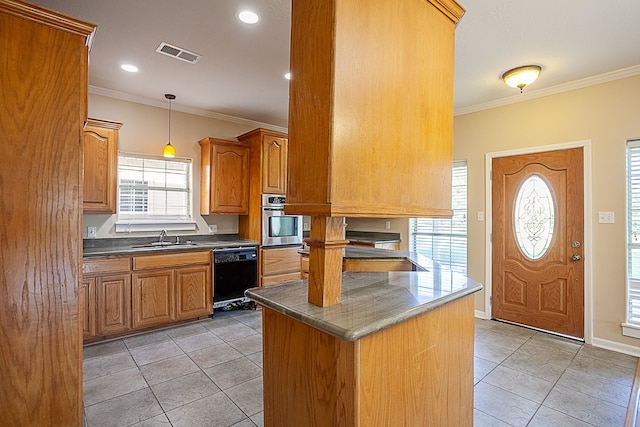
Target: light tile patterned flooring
{"points": [[209, 373]]}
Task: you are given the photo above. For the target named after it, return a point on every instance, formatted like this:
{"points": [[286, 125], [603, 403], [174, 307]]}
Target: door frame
{"points": [[588, 224]]}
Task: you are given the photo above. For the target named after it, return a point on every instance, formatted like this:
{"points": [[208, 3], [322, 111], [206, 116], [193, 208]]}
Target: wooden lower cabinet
{"points": [[113, 303], [418, 372], [194, 292], [373, 264], [153, 296], [280, 265], [88, 305], [120, 295]]}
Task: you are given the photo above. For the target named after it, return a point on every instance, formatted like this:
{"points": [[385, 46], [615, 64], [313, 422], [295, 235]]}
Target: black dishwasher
{"points": [[234, 271]]}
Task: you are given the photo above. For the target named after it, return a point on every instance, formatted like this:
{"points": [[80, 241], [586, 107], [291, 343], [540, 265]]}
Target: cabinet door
{"points": [[280, 265], [100, 163], [224, 184], [194, 292], [113, 305], [274, 164], [87, 306], [153, 298]]}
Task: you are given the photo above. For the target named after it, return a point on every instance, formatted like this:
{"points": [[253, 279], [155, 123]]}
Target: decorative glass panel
{"points": [[534, 217]]}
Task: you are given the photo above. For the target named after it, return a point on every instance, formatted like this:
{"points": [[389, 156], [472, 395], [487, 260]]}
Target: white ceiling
{"points": [[577, 42]]}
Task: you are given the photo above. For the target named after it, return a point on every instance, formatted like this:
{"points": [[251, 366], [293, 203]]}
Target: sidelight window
{"points": [[445, 240], [632, 326], [154, 193]]}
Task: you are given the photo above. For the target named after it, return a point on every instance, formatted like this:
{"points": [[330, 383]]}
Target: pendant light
{"points": [[169, 151], [521, 77]]}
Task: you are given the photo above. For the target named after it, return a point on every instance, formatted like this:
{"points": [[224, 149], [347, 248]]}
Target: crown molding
{"points": [[566, 87], [95, 90]]}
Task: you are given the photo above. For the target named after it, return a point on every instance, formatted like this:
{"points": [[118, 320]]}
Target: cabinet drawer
{"points": [[145, 262], [280, 278], [106, 265]]}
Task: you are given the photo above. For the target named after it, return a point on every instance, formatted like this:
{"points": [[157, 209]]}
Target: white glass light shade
{"points": [[521, 77]]}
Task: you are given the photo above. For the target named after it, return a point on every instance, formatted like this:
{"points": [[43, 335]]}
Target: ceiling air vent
{"points": [[178, 52]]}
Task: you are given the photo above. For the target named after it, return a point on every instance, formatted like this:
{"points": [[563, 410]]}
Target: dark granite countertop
{"points": [[366, 236], [127, 246], [370, 302], [360, 252], [372, 237]]}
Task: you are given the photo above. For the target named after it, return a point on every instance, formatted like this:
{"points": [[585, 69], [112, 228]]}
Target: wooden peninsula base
{"points": [[416, 372]]}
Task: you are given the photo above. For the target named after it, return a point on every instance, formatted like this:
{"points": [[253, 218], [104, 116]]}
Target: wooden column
{"points": [[325, 260]]}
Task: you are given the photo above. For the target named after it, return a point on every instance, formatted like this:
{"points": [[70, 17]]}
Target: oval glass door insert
{"points": [[534, 217]]}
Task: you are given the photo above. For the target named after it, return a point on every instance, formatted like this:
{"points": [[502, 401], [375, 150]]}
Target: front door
{"points": [[537, 237]]}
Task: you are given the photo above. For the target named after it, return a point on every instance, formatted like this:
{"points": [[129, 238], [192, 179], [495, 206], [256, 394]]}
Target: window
{"points": [[153, 193], [445, 240], [633, 236]]}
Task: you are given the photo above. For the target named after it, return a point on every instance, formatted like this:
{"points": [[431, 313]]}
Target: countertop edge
{"points": [[372, 327]]}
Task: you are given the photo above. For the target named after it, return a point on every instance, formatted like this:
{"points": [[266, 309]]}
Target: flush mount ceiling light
{"points": [[129, 68], [169, 151], [521, 77], [248, 17]]}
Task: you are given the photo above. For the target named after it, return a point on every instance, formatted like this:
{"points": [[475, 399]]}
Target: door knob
{"points": [[576, 257]]}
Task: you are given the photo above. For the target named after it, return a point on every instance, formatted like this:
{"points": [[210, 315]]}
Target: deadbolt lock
{"points": [[575, 244]]}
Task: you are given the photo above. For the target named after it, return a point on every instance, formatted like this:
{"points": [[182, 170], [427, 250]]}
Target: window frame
{"points": [[631, 327], [186, 222]]}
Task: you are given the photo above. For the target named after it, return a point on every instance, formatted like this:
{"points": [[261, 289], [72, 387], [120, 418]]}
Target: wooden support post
{"points": [[325, 260]]}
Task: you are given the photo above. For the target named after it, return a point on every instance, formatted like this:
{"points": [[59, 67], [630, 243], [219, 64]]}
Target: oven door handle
{"points": [[273, 209]]}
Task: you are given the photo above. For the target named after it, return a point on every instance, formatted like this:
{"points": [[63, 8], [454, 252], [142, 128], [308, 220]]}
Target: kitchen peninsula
{"points": [[397, 350]]}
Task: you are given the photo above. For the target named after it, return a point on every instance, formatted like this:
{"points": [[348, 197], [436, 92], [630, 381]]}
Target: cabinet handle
{"points": [[276, 144]]}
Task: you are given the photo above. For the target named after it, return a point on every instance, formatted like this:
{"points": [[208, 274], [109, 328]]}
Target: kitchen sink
{"points": [[160, 245]]}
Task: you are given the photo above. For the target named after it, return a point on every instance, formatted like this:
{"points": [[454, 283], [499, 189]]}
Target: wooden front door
{"points": [[537, 238]]}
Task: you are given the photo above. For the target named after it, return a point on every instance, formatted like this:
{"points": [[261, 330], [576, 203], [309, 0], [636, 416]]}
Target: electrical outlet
{"points": [[91, 232], [480, 216], [305, 227], [387, 225], [213, 228]]}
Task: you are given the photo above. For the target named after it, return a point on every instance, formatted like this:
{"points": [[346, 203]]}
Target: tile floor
{"points": [[210, 374]]}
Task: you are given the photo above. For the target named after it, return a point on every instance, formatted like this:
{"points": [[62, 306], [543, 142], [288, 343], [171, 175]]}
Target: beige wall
{"points": [[145, 130], [607, 115]]}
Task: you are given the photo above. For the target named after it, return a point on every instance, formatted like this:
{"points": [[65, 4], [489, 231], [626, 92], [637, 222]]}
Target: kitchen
{"points": [[94, 111]]}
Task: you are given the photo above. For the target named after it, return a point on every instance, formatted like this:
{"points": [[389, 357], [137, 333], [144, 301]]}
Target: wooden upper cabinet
{"points": [[371, 135], [224, 181], [274, 164], [100, 166]]}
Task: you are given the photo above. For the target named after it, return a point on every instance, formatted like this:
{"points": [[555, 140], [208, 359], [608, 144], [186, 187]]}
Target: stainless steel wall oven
{"points": [[279, 229]]}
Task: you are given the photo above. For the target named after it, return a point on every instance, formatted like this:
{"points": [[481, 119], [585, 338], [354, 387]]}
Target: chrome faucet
{"points": [[163, 234]]}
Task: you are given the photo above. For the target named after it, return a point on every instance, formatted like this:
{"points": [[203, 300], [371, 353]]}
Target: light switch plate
{"points": [[606, 217], [480, 216]]}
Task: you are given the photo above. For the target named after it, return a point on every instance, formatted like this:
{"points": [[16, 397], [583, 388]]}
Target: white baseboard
{"points": [[481, 315], [616, 346]]}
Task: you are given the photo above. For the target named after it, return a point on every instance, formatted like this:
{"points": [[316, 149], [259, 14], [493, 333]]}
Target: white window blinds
{"points": [[153, 188], [633, 232], [445, 240]]}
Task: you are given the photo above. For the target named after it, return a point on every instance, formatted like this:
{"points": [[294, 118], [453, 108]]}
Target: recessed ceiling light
{"points": [[129, 68], [287, 76], [248, 17]]}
